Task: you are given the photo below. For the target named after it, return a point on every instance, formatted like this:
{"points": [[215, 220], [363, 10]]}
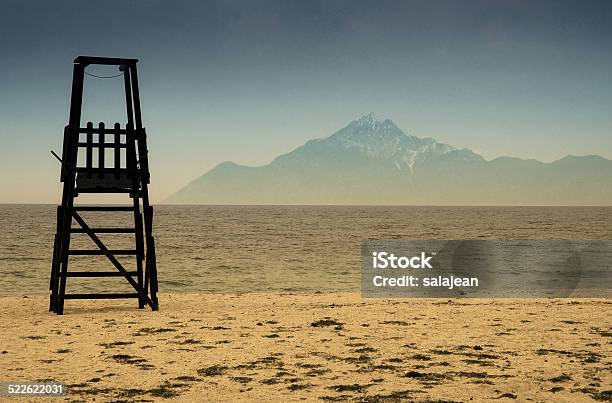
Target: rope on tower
{"points": [[93, 75]]}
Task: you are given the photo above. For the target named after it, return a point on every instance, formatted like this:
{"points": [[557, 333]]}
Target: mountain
{"points": [[372, 161]]}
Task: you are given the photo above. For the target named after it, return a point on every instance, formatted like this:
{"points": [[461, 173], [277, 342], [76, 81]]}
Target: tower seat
{"points": [[105, 182]]}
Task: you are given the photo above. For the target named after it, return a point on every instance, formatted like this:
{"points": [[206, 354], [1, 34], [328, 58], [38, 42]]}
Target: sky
{"points": [[248, 80]]}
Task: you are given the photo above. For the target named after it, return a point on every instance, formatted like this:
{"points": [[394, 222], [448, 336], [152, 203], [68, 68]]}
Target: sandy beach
{"points": [[330, 347]]}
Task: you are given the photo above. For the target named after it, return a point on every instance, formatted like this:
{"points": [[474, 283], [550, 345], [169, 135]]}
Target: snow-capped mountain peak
{"points": [[373, 123], [382, 139], [371, 120]]}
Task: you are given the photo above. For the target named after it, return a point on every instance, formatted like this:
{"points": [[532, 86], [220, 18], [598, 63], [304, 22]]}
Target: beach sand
{"points": [[329, 347]]}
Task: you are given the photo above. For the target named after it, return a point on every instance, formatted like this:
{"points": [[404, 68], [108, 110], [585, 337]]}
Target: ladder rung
{"points": [[105, 230], [99, 252], [104, 208], [104, 190], [97, 171], [101, 296], [98, 273]]}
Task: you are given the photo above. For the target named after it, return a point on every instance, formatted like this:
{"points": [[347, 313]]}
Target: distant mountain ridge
{"points": [[372, 161]]}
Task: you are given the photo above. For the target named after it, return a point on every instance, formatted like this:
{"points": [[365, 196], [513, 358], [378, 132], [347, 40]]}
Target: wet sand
{"points": [[326, 347]]}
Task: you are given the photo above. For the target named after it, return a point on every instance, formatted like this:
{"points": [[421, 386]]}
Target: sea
{"points": [[280, 249]]}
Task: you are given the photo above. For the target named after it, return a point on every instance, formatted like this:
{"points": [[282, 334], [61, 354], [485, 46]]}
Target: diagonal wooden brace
{"points": [[114, 261]]}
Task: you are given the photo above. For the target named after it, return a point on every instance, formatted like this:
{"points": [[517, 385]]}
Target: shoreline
{"points": [[327, 346]]}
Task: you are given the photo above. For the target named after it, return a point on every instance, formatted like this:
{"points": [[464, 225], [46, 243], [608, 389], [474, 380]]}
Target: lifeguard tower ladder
{"points": [[130, 177]]}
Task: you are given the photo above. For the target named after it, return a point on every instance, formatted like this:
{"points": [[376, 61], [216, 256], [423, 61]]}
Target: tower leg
{"points": [[53, 277], [57, 260], [139, 248], [65, 247], [151, 264]]}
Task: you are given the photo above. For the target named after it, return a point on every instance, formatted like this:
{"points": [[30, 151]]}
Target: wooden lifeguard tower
{"points": [[128, 176]]}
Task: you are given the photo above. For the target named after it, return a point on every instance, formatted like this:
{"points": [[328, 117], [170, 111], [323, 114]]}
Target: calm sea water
{"points": [[270, 248]]}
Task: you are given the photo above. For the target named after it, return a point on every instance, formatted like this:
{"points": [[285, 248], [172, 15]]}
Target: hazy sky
{"points": [[248, 80]]}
